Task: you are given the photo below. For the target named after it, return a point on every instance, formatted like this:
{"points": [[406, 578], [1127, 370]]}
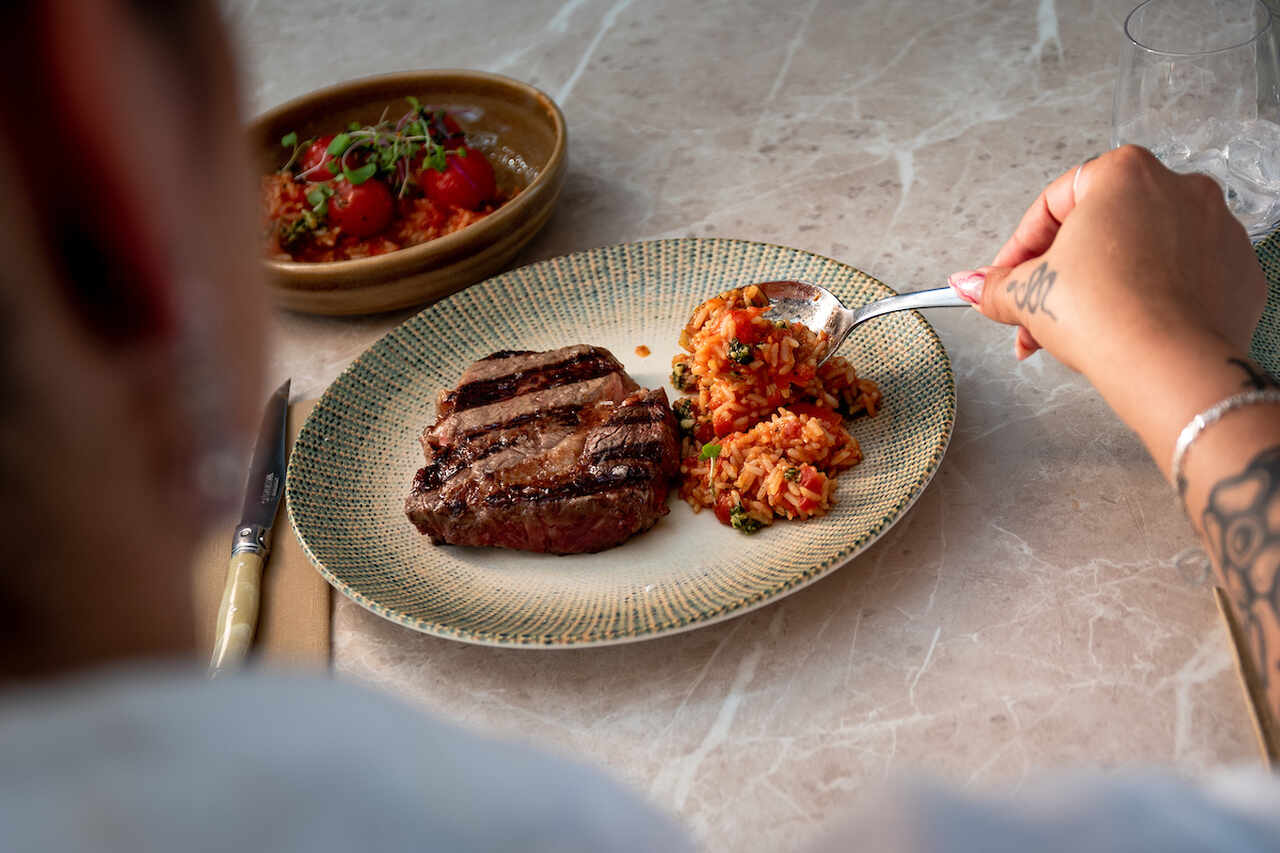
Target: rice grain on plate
{"points": [[763, 426]]}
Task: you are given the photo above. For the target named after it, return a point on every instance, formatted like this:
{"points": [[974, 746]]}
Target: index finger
{"points": [[1040, 224]]}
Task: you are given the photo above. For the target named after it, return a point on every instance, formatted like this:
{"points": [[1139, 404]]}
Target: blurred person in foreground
{"points": [[131, 316]]}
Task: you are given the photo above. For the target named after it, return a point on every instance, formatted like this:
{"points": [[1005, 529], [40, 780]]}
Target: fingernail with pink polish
{"points": [[968, 284]]}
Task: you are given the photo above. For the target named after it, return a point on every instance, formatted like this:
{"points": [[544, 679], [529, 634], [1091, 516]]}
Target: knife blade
{"points": [[238, 613]]}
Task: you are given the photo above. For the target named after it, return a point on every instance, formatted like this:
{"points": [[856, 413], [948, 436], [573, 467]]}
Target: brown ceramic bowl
{"points": [[530, 153]]}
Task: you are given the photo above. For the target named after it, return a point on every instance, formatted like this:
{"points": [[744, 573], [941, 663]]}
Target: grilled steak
{"points": [[556, 451]]}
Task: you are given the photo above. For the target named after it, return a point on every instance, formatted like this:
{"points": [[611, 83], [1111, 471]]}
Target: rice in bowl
{"points": [[762, 424]]}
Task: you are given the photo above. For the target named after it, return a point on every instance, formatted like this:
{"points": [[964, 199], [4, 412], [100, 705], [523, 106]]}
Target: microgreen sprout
{"points": [[395, 150], [319, 197], [360, 175], [710, 451], [291, 139], [339, 145]]}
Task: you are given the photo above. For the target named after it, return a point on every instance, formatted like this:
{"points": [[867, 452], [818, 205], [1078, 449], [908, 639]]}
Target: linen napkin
{"points": [[293, 617]]}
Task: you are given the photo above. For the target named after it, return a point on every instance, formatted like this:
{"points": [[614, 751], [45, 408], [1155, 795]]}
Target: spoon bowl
{"points": [[819, 309]]}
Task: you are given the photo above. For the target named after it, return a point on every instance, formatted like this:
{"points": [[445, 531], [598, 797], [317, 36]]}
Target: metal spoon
{"points": [[818, 308]]}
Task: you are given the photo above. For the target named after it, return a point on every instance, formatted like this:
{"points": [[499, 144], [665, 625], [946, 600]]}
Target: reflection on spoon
{"points": [[818, 308]]}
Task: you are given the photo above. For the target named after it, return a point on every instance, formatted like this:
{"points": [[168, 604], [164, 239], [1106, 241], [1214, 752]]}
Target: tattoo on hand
{"points": [[1242, 533], [1258, 379], [1031, 295]]}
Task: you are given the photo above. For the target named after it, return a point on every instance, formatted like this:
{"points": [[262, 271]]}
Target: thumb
{"points": [[987, 288], [984, 288]]}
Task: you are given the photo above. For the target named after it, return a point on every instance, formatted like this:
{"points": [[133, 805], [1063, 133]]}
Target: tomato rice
{"points": [[417, 219], [763, 425]]}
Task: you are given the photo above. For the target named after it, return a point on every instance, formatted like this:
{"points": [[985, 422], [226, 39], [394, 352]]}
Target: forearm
{"points": [[1231, 475], [1233, 497]]}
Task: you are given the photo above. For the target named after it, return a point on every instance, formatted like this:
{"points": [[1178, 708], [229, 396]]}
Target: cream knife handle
{"points": [[238, 613]]}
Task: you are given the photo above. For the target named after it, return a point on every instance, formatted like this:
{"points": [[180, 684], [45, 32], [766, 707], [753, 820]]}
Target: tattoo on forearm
{"points": [[1242, 533], [1258, 379], [1032, 294]]}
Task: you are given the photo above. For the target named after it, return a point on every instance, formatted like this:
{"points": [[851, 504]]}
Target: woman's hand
{"points": [[1139, 278], [1128, 257]]}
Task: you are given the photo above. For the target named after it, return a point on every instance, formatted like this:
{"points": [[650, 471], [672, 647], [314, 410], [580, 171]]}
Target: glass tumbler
{"points": [[1199, 86]]}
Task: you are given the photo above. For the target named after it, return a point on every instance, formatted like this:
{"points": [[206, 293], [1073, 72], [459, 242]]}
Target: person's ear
{"points": [[109, 145]]}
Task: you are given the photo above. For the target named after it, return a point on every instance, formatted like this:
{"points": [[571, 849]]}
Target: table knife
{"points": [[238, 613]]}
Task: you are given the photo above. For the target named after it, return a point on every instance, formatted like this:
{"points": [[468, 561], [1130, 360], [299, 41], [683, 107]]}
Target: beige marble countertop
{"points": [[1034, 610]]}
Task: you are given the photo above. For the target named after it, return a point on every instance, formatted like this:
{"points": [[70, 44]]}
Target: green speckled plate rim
{"points": [[1266, 337], [330, 400]]}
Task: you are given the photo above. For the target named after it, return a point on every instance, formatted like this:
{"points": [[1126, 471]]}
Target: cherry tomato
{"points": [[831, 416], [361, 210], [466, 182], [725, 502], [311, 164]]}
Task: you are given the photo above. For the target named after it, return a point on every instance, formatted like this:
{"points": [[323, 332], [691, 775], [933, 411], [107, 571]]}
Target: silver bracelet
{"points": [[1210, 416]]}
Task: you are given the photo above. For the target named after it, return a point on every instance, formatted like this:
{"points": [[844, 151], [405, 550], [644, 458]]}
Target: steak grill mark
{"points": [[590, 484], [571, 415], [506, 353], [648, 451], [440, 471], [646, 413], [445, 465], [566, 415], [579, 368]]}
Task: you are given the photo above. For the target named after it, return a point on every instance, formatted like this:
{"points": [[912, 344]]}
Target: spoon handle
{"points": [[942, 297]]}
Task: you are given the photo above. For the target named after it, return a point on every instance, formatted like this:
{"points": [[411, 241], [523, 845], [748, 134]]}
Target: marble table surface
{"points": [[1036, 608]]}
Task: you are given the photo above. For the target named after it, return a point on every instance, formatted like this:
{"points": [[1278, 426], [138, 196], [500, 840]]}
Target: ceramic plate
{"points": [[1266, 337], [358, 451]]}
